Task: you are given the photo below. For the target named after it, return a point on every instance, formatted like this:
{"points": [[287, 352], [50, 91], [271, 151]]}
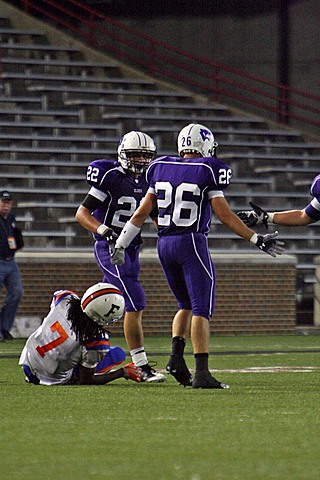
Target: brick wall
{"points": [[255, 294]]}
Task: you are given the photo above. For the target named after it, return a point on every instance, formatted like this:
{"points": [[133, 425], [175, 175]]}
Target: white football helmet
{"points": [[196, 138], [103, 303], [137, 144]]}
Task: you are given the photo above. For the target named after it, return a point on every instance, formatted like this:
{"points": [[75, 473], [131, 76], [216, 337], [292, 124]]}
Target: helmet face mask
{"points": [[135, 151], [103, 303], [198, 139], [136, 162]]}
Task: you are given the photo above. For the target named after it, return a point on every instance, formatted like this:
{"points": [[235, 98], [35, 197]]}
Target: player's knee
{"points": [[201, 312]]}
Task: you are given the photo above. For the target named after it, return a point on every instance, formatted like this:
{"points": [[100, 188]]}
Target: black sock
{"points": [[178, 344], [201, 361]]}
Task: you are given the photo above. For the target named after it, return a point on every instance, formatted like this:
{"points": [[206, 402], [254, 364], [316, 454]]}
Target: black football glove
{"points": [[110, 236], [268, 244], [254, 217]]}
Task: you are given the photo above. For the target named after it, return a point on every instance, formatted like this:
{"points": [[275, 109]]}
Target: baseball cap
{"points": [[5, 195]]}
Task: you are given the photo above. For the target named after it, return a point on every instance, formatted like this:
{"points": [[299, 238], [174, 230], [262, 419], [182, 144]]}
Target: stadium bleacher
{"points": [[59, 111]]}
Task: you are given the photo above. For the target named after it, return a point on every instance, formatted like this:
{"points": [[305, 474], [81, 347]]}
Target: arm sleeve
{"points": [[313, 210], [91, 203], [215, 193]]}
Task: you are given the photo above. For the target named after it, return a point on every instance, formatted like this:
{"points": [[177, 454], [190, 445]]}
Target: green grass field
{"points": [[266, 426]]}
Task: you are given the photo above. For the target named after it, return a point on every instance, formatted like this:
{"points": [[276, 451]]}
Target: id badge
{"points": [[12, 243]]}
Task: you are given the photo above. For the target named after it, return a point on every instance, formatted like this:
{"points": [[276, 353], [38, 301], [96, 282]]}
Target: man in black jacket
{"points": [[9, 272]]}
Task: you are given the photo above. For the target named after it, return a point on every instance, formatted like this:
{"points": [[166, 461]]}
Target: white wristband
{"points": [[270, 217], [129, 232], [254, 238], [102, 229]]}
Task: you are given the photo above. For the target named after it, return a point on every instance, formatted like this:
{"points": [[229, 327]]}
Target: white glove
{"points": [[117, 256], [268, 244]]}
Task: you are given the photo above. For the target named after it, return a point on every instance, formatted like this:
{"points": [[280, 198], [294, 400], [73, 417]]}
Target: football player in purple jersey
{"points": [[186, 190], [290, 218], [117, 188]]}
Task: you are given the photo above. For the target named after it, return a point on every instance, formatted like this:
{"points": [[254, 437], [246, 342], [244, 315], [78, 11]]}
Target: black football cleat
{"points": [[206, 380], [177, 367]]}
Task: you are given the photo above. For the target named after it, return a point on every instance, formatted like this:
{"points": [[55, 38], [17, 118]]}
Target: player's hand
{"points": [[254, 217], [117, 256], [268, 244], [131, 372], [110, 236]]}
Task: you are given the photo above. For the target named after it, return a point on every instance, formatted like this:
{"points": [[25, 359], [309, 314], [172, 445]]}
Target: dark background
{"points": [[152, 8]]}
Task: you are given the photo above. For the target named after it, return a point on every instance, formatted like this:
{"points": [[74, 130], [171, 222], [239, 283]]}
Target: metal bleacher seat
{"points": [[78, 110], [27, 78], [58, 128], [39, 49], [45, 152], [145, 105], [125, 87], [272, 162], [9, 35], [18, 114], [34, 102], [50, 164], [297, 175], [274, 169], [259, 158], [33, 140], [46, 65]]}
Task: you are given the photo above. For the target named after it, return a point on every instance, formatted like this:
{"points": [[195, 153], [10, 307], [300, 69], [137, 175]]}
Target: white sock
{"points": [[139, 356]]}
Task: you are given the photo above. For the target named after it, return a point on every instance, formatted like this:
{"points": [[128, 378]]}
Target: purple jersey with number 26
{"points": [[183, 188]]}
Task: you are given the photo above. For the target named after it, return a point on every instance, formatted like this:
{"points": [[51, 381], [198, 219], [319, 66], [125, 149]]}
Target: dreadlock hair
{"points": [[82, 325]]}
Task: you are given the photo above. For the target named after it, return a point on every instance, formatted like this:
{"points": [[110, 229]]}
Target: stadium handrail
{"points": [[285, 104]]}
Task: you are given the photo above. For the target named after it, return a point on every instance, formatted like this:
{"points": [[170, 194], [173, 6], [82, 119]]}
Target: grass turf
{"points": [[266, 426]]}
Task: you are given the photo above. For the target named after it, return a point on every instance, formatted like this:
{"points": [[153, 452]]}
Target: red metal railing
{"points": [[165, 62]]}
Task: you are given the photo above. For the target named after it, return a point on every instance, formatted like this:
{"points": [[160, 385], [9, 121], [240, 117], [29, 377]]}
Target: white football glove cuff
{"points": [[102, 229], [254, 238], [129, 232]]}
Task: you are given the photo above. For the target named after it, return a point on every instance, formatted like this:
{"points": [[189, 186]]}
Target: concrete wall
{"points": [[248, 43]]}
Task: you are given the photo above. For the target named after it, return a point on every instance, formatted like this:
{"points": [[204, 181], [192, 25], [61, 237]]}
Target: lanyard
{"points": [[5, 225]]}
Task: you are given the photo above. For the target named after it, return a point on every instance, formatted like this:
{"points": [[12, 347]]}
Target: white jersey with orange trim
{"points": [[52, 351]]}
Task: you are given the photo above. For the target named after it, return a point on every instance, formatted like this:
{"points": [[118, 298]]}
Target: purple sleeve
{"points": [[315, 187], [97, 171], [313, 209], [221, 175]]}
